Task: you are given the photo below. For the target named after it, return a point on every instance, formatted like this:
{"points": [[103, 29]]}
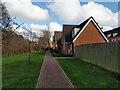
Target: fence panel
{"points": [[106, 55]]}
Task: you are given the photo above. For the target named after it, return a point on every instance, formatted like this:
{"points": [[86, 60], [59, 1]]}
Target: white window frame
{"points": [[76, 30], [68, 50], [108, 35], [70, 46], [114, 34]]}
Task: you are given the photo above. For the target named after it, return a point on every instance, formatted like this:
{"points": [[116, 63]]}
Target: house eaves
{"points": [[94, 22]]}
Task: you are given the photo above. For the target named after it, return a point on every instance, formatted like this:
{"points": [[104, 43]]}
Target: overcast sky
{"points": [[39, 15]]}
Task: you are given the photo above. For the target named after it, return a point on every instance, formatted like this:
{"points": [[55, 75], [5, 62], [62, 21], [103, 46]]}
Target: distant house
{"points": [[85, 33], [56, 39], [113, 35], [53, 42], [34, 43], [67, 39]]}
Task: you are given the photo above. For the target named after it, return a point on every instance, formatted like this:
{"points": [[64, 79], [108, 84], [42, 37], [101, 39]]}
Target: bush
{"points": [[57, 53]]}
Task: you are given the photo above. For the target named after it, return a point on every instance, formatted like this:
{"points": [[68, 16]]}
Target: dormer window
{"points": [[108, 35], [114, 34], [74, 31]]}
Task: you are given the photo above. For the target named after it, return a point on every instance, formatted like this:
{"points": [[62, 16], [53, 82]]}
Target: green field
{"points": [[85, 75], [18, 73]]}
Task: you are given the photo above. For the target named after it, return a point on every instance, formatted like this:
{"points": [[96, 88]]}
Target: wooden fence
{"points": [[106, 55]]}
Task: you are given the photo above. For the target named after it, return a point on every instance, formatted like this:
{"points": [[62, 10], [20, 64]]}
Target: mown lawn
{"points": [[18, 73], [85, 75]]}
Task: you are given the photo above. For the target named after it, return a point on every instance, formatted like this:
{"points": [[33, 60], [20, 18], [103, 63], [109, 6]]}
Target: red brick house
{"points": [[113, 35], [67, 39], [85, 33], [53, 42], [56, 39]]}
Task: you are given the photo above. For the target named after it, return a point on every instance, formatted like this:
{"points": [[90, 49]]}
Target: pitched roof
{"points": [[115, 30], [67, 32], [81, 26], [84, 24]]}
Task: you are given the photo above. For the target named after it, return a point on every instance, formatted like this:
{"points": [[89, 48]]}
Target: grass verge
{"points": [[85, 75], [18, 73]]}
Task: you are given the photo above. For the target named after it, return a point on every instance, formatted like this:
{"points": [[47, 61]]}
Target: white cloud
{"points": [[73, 12], [24, 9], [37, 29], [20, 31], [53, 26], [119, 18], [107, 28]]}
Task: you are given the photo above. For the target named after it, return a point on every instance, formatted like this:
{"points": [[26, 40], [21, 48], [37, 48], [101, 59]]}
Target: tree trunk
{"points": [[29, 52]]}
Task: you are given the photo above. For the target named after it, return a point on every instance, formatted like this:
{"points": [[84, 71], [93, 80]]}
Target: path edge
{"points": [[40, 72], [66, 76]]}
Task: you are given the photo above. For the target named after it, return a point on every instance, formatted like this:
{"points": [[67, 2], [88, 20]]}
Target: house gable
{"points": [[89, 34], [95, 25]]}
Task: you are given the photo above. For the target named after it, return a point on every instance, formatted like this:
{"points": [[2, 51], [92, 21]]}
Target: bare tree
{"points": [[11, 42], [44, 40]]}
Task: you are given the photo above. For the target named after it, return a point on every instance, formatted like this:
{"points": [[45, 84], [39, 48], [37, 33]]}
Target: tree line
{"points": [[12, 43]]}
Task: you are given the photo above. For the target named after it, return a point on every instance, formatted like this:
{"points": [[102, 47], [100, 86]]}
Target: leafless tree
{"points": [[44, 40], [11, 42]]}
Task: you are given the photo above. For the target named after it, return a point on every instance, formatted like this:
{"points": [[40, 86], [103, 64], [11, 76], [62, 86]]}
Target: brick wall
{"points": [[114, 39], [89, 35], [67, 49]]}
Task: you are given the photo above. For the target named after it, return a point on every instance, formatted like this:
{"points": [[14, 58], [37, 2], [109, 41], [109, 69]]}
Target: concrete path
{"points": [[51, 75]]}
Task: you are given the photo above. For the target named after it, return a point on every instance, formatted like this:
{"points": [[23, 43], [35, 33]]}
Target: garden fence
{"points": [[106, 55]]}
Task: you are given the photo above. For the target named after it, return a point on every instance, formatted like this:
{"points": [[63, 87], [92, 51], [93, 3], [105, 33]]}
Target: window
{"points": [[112, 40], [119, 38], [108, 35], [68, 50], [114, 34], [76, 30], [70, 46]]}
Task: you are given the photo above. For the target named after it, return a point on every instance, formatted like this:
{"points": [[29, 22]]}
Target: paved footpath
{"points": [[51, 75]]}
